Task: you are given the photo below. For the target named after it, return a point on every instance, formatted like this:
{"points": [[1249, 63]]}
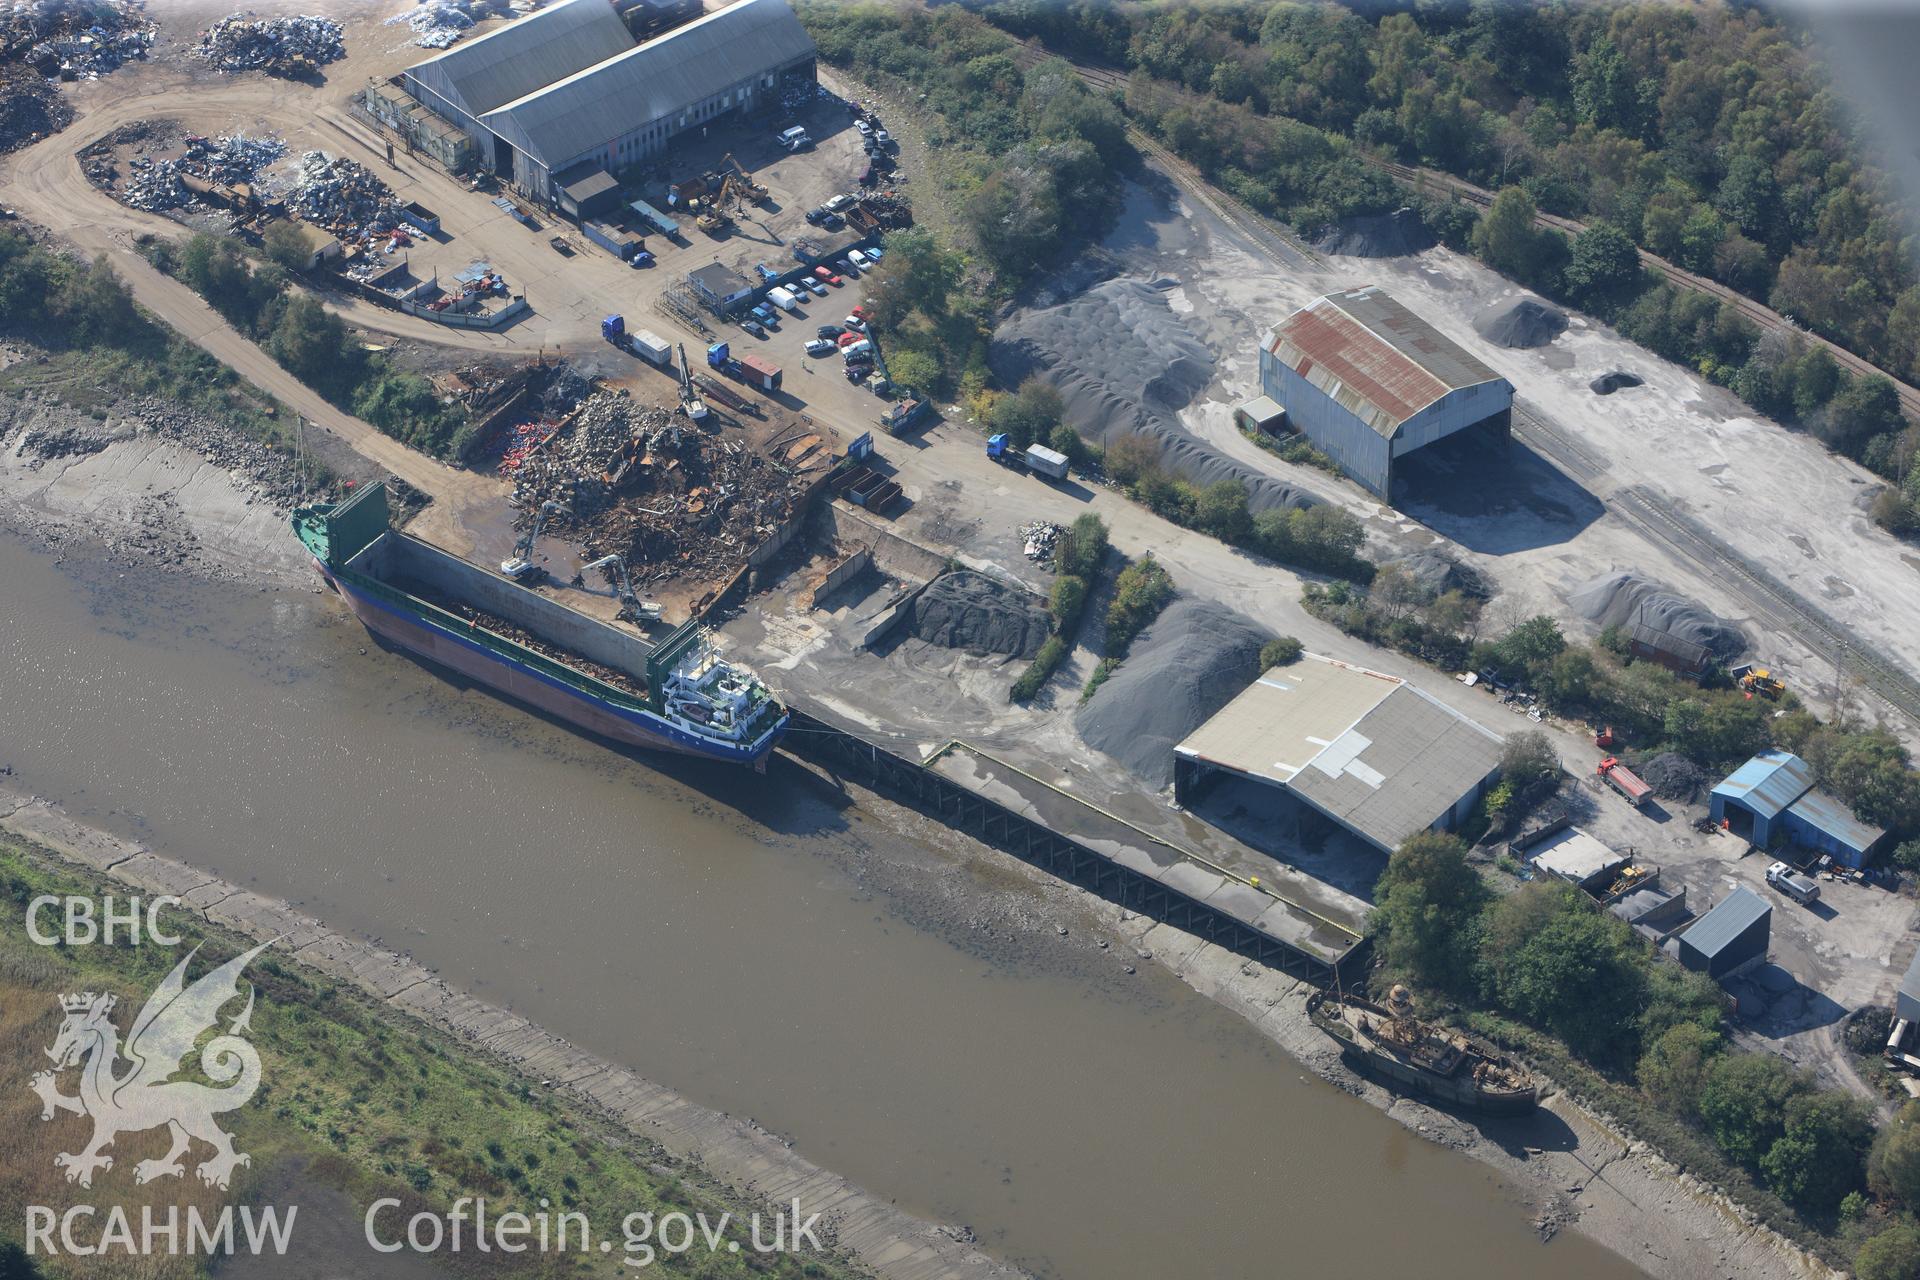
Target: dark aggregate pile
{"points": [[1191, 661], [982, 615], [1438, 573], [1521, 322], [1673, 777], [1616, 380], [1377, 235], [1626, 599], [1126, 363]]}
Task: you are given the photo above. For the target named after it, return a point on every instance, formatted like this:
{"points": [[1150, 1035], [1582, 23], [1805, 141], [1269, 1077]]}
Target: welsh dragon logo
{"points": [[135, 1094]]}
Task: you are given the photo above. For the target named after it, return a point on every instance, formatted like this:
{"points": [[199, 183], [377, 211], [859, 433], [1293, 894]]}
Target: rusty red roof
{"points": [[1374, 357]]}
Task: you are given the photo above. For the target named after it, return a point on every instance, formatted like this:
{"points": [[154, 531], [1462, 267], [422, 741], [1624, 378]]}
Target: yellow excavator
{"points": [[1758, 680], [752, 190]]}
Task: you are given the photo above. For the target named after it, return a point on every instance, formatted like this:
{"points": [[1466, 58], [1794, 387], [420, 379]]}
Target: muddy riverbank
{"points": [[896, 1002]]}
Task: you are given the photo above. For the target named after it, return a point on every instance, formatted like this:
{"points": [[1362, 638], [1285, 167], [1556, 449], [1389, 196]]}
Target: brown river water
{"points": [[714, 930]]}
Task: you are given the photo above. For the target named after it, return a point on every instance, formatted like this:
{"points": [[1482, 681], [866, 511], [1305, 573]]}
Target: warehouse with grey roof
{"points": [[1368, 751], [1369, 382], [565, 92]]}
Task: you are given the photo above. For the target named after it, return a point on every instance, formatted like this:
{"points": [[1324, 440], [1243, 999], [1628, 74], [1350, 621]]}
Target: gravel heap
{"points": [[1126, 363], [971, 611], [1617, 380], [1190, 661], [1624, 599], [1673, 777], [1437, 573], [1521, 322], [1377, 235], [244, 42]]}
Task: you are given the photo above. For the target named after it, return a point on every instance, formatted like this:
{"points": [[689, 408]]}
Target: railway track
{"points": [[1578, 461], [1770, 598]]}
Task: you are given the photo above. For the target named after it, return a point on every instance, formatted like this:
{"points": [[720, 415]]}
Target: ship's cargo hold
{"points": [[677, 695]]}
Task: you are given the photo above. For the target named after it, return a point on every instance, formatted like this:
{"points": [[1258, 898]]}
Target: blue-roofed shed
{"points": [[1819, 821], [1732, 935], [1770, 799], [1759, 791]]}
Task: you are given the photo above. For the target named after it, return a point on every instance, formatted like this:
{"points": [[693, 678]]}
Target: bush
{"points": [[1744, 1103], [1068, 598], [1557, 963], [1426, 912], [1051, 654], [1139, 594], [1893, 1167], [1820, 1157], [1529, 763], [1280, 651], [1081, 549], [1894, 1254], [1674, 1069]]}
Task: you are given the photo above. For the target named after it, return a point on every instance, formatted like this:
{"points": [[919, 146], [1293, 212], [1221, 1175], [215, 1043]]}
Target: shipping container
{"points": [[1046, 462], [621, 244], [651, 347], [415, 214], [760, 373], [654, 218]]}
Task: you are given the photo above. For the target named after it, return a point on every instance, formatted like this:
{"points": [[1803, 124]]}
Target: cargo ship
{"points": [[676, 695], [1388, 1041]]}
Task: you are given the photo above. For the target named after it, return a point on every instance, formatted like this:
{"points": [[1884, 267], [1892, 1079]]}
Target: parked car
{"points": [[828, 331], [817, 215], [859, 259], [846, 268], [854, 351], [813, 286], [820, 347], [860, 313], [764, 314], [876, 253], [865, 129], [848, 339], [826, 273], [882, 386], [838, 203], [856, 372], [833, 221], [854, 324], [642, 259], [753, 327]]}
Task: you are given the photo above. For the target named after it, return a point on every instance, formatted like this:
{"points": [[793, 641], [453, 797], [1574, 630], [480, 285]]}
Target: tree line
{"points": [[311, 342], [1707, 135]]}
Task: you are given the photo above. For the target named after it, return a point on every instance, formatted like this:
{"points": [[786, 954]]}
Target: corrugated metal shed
{"points": [[514, 60], [1906, 1003], [1374, 357], [1368, 750], [1726, 925], [1825, 814], [658, 79], [1768, 783]]}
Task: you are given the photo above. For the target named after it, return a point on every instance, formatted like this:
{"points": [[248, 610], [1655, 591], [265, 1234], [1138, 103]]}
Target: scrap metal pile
{"points": [[234, 162], [289, 46], [343, 197], [1039, 539], [642, 481], [436, 24], [30, 108], [68, 39]]}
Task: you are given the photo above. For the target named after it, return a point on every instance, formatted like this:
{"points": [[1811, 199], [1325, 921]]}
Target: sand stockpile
{"points": [[1193, 660], [1521, 322], [1126, 364], [967, 610], [1628, 599], [1616, 380], [1377, 235]]}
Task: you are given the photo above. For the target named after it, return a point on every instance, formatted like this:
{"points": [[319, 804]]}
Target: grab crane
{"points": [[623, 587], [690, 402], [518, 566]]}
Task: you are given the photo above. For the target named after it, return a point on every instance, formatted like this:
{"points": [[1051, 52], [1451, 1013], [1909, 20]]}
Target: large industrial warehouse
{"points": [[1368, 751], [1369, 382], [566, 91]]}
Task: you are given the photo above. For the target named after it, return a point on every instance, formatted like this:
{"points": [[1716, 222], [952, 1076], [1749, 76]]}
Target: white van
{"points": [[783, 299], [859, 259]]}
